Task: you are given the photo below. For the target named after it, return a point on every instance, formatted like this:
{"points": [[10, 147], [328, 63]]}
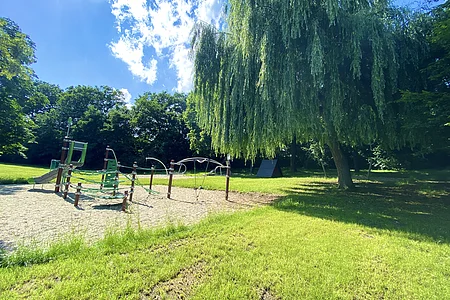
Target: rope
{"points": [[95, 172], [98, 182], [95, 189], [200, 188]]}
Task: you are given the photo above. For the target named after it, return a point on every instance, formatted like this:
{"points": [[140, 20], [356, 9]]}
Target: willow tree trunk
{"points": [[341, 162]]}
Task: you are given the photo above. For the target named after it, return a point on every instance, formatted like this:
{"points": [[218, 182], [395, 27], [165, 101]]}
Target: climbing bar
{"points": [[93, 172], [67, 185], [105, 165], [96, 181]]}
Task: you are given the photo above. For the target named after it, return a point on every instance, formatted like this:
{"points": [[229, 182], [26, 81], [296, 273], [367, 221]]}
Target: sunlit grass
{"points": [[10, 173], [388, 239]]}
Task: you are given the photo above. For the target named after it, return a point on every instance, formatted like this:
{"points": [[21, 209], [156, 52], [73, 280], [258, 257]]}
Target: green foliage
{"points": [[16, 51], [382, 159], [75, 101], [199, 141], [16, 92], [158, 126], [425, 112], [316, 70]]}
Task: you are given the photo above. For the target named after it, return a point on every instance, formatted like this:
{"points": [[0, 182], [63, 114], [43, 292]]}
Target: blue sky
{"points": [[134, 45]]}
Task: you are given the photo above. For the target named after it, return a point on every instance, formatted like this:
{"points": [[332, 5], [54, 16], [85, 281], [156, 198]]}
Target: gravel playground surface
{"points": [[37, 215]]}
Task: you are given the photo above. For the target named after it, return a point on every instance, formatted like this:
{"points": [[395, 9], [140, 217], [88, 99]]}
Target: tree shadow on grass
{"points": [[419, 209]]}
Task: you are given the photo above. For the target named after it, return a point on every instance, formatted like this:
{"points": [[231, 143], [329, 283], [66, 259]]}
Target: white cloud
{"points": [[126, 97], [164, 26], [131, 51]]}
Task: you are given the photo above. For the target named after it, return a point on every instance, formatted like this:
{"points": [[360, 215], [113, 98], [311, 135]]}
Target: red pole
{"points": [[65, 147], [151, 177], [133, 179], [77, 195], [227, 187], [124, 202], [171, 169], [69, 175], [105, 165]]}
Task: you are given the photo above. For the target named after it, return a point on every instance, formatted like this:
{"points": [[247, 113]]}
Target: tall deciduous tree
{"points": [[323, 70], [425, 111], [157, 119], [16, 99]]}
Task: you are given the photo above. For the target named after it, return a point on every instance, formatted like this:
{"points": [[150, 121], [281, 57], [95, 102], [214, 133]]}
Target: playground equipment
{"points": [[200, 160], [57, 166], [108, 186], [65, 170]]}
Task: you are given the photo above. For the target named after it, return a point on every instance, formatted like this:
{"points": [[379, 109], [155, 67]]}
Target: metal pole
{"points": [[151, 177], [171, 169], [69, 175], [227, 187], [133, 179], [65, 147], [77, 195], [105, 165]]}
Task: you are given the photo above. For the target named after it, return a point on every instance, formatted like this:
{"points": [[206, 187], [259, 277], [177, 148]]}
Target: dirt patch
{"points": [[38, 215], [181, 285], [266, 294]]}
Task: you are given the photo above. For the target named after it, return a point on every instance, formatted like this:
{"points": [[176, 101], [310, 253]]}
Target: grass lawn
{"points": [[388, 239], [10, 173]]}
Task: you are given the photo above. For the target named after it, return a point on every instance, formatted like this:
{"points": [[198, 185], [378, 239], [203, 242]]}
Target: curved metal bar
{"points": [[199, 160], [214, 171], [181, 166], [152, 158]]}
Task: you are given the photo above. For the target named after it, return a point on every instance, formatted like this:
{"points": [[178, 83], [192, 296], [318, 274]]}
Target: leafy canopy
{"points": [[324, 70], [17, 96]]}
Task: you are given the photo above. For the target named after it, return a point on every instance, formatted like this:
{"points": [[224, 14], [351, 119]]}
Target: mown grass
{"points": [[388, 239], [10, 174]]}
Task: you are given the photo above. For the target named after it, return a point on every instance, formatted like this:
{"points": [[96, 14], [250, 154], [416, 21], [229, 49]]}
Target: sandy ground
{"points": [[37, 215]]}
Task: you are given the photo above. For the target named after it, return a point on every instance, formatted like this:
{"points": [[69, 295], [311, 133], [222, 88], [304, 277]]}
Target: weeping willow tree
{"points": [[315, 70]]}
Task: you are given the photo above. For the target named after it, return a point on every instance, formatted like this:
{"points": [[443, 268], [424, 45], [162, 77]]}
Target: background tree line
{"points": [[34, 114]]}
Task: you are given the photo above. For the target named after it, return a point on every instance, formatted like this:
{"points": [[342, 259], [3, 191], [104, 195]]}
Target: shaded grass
{"points": [[388, 239]]}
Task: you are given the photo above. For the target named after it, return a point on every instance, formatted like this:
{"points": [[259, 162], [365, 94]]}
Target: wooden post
{"points": [[124, 202], [77, 195], [105, 165], [133, 179], [171, 169], [69, 175], [65, 147], [151, 178], [227, 187]]}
